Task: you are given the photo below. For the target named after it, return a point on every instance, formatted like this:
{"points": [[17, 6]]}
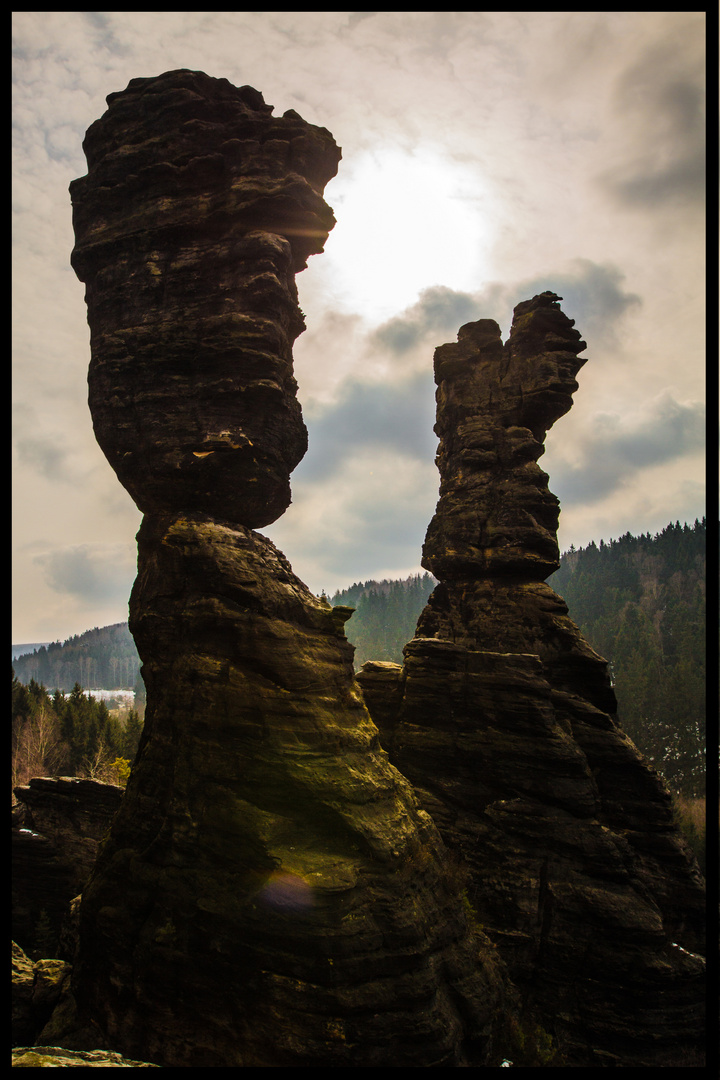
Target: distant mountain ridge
{"points": [[28, 647]]}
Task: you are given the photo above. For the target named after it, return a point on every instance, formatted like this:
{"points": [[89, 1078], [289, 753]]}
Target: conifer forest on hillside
{"points": [[638, 600]]}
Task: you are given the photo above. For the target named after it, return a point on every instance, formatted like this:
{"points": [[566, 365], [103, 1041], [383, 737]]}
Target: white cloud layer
{"points": [[486, 156]]}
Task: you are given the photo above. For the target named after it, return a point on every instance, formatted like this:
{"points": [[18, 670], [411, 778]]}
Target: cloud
{"points": [[647, 502], [47, 456], [616, 448], [367, 519], [661, 98], [593, 295], [394, 418], [356, 17], [330, 350], [439, 310], [585, 171], [94, 573]]}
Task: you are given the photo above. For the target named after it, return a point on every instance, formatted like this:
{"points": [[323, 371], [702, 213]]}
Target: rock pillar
{"points": [[270, 893], [198, 209], [503, 718]]}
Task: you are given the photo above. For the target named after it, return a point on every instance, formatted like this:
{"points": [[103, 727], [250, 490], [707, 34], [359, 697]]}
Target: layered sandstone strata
{"points": [[198, 209], [270, 893], [57, 827], [503, 718]]}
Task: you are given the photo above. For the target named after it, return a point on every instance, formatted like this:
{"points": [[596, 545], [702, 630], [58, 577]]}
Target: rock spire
{"points": [[198, 209], [495, 403], [503, 718], [270, 893]]}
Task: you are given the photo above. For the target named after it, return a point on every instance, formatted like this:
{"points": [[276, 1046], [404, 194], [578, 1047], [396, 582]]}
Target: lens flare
{"points": [[286, 892]]}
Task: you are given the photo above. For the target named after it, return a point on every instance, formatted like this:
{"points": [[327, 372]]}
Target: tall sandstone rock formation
{"points": [[502, 717], [270, 893]]}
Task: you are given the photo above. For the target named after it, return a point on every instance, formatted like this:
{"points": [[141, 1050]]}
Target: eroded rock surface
{"points": [[502, 716], [57, 1057], [269, 868], [270, 894], [74, 813], [198, 209], [57, 826]]}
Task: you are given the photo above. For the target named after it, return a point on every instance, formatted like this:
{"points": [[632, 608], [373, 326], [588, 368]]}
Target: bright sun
{"points": [[404, 222]]}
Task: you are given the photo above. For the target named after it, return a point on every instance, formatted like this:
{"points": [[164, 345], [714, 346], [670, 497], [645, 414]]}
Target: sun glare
{"points": [[404, 222]]}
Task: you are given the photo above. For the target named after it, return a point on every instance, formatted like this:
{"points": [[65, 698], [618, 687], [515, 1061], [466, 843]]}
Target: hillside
{"points": [[639, 601], [103, 657], [385, 617]]}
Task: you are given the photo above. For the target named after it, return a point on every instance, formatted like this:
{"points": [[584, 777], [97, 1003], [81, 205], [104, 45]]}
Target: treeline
{"points": [[386, 613], [70, 736], [104, 657], [640, 603]]}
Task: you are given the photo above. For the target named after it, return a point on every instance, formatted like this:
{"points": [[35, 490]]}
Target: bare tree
{"points": [[37, 750], [100, 765]]}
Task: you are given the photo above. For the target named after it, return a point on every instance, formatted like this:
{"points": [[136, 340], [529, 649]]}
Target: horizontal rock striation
{"points": [[503, 718], [270, 893], [74, 813], [57, 827], [495, 515], [198, 209]]}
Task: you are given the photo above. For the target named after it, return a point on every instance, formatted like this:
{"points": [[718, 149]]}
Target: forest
{"points": [[386, 613], [639, 601], [104, 657], [73, 735]]}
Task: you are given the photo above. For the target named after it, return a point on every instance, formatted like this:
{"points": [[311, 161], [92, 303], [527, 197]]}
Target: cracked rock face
{"points": [[503, 718], [198, 209]]}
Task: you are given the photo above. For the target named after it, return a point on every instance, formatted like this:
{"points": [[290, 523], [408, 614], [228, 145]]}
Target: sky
{"points": [[487, 156]]}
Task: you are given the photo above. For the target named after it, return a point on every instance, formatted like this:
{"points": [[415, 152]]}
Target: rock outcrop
{"points": [[503, 718], [57, 1057], [57, 827], [74, 813], [36, 988], [270, 893]]}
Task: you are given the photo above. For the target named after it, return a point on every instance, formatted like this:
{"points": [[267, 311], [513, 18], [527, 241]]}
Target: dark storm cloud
{"points": [[396, 416], [613, 450]]}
